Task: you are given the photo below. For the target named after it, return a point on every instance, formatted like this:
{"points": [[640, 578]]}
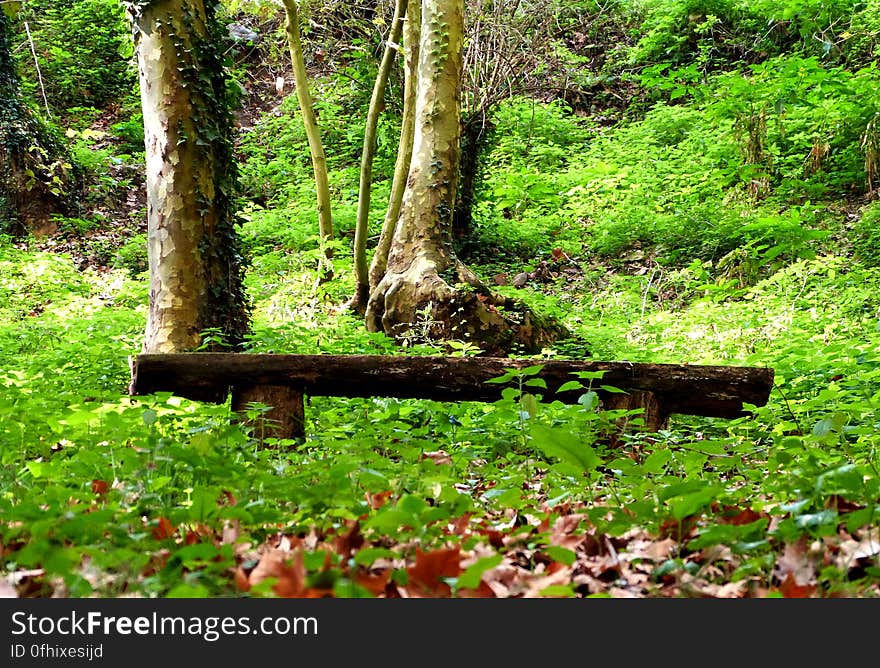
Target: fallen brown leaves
{"points": [[556, 553]]}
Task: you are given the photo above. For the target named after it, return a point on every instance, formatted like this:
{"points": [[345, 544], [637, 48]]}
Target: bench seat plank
{"points": [[711, 391]]}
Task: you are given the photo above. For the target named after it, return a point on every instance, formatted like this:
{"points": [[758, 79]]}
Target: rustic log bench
{"points": [[281, 381]]}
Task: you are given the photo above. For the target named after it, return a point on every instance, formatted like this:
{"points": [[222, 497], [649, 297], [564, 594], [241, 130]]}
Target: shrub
{"points": [[866, 236], [863, 43], [84, 51], [715, 33], [132, 255]]}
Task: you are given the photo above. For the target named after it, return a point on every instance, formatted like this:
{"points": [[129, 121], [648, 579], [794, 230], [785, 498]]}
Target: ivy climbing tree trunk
{"points": [[196, 267], [313, 133], [426, 291], [37, 174]]}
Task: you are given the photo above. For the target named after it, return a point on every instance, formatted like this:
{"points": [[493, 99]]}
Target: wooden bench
{"points": [[281, 381]]}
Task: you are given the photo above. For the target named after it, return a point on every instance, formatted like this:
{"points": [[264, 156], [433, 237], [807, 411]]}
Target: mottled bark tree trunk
{"points": [[196, 268], [424, 279], [37, 175]]}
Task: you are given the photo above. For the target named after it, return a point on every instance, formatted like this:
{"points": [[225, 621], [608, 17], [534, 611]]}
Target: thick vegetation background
{"points": [[696, 183]]}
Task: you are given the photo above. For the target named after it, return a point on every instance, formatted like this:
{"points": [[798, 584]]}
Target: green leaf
{"points": [[536, 382], [368, 555], [589, 400], [202, 442], [708, 447], [561, 554], [204, 504], [794, 506], [185, 590], [570, 385], [196, 554], [684, 506], [149, 416], [558, 591], [807, 520], [159, 482], [39, 469], [390, 521], [314, 561], [510, 394], [680, 489], [12, 7], [530, 404], [504, 378], [823, 427], [656, 461], [412, 504], [470, 579], [565, 446], [589, 375], [846, 479], [858, 519], [509, 497]]}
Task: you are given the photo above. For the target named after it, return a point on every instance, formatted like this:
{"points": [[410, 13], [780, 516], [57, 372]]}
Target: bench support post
{"points": [[654, 415], [284, 420]]}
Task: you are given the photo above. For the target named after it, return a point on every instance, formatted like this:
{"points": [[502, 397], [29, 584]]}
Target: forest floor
{"points": [[107, 495]]}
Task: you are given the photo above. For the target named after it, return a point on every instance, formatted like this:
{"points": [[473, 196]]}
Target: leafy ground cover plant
{"points": [[642, 237], [109, 495]]}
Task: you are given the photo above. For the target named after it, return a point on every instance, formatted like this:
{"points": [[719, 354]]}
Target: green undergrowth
{"points": [[730, 219], [112, 495], [754, 159]]}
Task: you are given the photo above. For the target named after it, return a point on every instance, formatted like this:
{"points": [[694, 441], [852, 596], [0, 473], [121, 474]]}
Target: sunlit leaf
{"points": [[562, 444], [561, 554], [472, 575]]}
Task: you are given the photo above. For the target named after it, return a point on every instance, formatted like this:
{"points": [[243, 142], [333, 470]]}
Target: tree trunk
{"points": [[412, 28], [37, 175], [358, 302], [310, 121], [196, 269], [473, 140], [416, 300]]}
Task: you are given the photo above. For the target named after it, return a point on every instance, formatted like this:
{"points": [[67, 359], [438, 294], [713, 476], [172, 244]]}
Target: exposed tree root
{"points": [[420, 305]]}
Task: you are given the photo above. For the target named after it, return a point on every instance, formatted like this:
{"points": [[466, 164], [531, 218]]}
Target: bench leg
{"points": [[654, 415], [286, 417]]}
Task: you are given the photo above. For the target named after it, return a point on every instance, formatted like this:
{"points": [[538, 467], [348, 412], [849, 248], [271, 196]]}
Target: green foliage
{"points": [[866, 236], [278, 182], [815, 118], [84, 52], [35, 168], [862, 40], [717, 33], [686, 181], [132, 255], [672, 257], [275, 152], [679, 30], [527, 152], [131, 132]]}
